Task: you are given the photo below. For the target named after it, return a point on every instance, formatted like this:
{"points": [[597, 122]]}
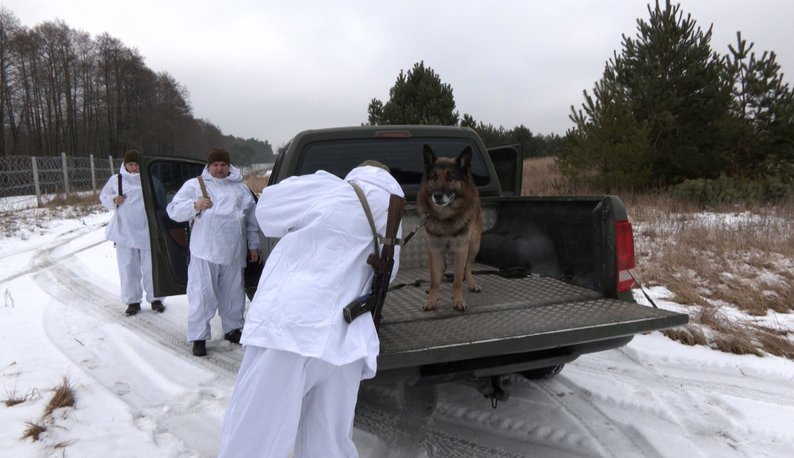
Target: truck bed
{"points": [[531, 312]]}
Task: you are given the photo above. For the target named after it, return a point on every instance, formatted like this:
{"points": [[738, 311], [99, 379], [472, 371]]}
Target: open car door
{"points": [[161, 178], [508, 161]]}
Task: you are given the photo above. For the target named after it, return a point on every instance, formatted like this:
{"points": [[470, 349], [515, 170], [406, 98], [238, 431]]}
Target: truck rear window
{"points": [[402, 155]]}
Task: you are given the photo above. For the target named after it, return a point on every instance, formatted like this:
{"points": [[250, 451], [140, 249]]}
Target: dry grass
{"points": [[33, 431], [541, 177], [256, 183], [687, 335], [63, 397], [16, 222], [729, 259], [13, 398], [83, 200]]}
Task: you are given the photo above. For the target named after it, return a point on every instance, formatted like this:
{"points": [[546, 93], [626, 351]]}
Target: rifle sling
{"points": [[204, 194], [203, 187], [363, 199]]}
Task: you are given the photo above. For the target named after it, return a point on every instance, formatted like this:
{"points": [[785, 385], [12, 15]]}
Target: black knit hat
{"points": [[132, 156], [218, 155]]}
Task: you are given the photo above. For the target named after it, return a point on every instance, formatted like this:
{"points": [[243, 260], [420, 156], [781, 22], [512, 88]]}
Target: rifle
{"points": [[121, 193], [383, 265]]}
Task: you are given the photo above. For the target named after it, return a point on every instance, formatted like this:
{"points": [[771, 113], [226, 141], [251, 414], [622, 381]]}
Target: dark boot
{"points": [[158, 307], [199, 348], [132, 309], [233, 336]]}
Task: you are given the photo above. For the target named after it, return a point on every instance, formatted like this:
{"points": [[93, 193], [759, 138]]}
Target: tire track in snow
{"points": [[73, 288], [613, 438], [681, 403], [520, 427], [675, 410], [39, 263], [733, 384], [174, 403], [448, 430], [411, 428]]}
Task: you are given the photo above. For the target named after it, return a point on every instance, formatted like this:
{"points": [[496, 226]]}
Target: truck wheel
{"points": [[543, 372]]}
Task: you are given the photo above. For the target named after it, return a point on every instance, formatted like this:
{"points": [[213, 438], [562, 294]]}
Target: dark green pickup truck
{"points": [[555, 271]]}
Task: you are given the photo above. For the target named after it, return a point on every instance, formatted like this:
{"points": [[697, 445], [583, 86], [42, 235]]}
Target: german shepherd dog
{"points": [[449, 198]]}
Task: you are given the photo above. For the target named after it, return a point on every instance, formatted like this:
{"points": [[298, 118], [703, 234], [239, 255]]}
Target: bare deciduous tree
{"points": [[63, 91]]}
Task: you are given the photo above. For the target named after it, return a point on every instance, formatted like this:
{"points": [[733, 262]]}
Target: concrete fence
{"points": [[41, 176]]}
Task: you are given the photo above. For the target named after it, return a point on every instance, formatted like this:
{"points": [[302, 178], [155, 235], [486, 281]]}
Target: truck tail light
{"points": [[624, 246]]}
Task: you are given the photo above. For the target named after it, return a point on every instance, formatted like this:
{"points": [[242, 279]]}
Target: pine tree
{"points": [[674, 83], [762, 114], [607, 148], [418, 97], [667, 87]]}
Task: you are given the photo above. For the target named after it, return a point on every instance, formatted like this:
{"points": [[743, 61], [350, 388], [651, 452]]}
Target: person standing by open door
{"points": [[129, 231], [224, 231]]}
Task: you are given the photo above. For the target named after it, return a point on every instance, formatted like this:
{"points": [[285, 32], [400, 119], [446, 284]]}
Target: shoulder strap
{"points": [[363, 199], [121, 192], [203, 187]]}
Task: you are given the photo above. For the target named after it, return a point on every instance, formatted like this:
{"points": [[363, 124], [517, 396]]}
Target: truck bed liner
{"points": [[530, 312]]}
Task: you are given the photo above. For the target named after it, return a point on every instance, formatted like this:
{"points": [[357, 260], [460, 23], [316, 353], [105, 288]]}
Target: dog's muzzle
{"points": [[442, 199]]}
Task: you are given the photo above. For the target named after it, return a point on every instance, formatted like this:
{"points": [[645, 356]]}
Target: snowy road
{"points": [[652, 398]]}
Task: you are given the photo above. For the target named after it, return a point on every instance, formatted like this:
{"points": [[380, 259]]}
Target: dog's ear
{"points": [[429, 158], [463, 161]]}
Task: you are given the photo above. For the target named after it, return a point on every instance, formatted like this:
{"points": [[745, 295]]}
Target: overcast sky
{"points": [[268, 69]]}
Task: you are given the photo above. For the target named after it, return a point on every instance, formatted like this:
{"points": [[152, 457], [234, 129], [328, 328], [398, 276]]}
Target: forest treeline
{"points": [[62, 90], [669, 112], [420, 97]]}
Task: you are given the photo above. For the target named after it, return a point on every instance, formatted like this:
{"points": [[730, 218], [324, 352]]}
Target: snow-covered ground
{"points": [[139, 392]]}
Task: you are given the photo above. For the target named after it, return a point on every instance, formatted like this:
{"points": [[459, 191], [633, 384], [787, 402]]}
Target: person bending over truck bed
{"points": [[299, 378]]}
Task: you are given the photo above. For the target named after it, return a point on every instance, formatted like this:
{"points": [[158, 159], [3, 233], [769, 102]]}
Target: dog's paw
{"points": [[475, 288], [430, 305], [460, 305]]}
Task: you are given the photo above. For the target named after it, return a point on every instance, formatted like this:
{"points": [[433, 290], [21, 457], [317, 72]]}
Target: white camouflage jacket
{"points": [[224, 233]]}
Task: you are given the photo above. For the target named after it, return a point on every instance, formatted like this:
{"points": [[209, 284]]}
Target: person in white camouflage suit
{"points": [[224, 231], [298, 382], [129, 230]]}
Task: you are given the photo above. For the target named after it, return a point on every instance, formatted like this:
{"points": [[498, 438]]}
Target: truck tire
{"points": [[543, 372]]}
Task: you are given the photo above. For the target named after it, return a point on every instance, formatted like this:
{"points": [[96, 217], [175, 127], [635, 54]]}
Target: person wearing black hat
{"points": [[129, 230], [224, 232]]}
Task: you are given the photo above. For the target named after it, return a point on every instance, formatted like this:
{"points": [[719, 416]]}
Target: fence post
{"points": [[36, 180], [93, 173], [65, 175], [112, 169]]}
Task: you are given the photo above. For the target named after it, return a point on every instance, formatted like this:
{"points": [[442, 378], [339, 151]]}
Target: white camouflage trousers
{"points": [[284, 401], [135, 274], [213, 288]]}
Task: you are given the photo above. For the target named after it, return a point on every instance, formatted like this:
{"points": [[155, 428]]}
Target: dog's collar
{"points": [[462, 229]]}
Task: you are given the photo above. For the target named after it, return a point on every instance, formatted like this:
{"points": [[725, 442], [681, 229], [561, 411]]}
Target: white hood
{"points": [[375, 176]]}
